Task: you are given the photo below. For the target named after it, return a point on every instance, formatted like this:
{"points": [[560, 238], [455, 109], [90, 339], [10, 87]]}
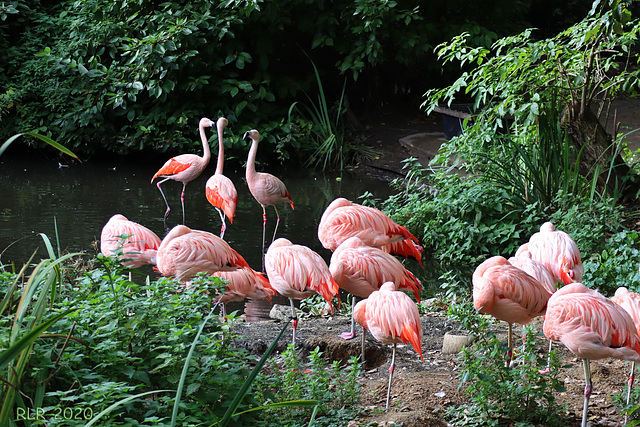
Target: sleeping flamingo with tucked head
{"points": [[185, 167], [508, 294], [392, 318], [137, 243], [360, 270], [343, 219], [592, 327], [297, 272]]}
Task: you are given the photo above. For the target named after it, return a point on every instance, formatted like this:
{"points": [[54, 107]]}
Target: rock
{"points": [[454, 343], [282, 312]]}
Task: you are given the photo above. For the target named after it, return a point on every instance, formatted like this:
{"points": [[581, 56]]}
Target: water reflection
{"points": [[40, 197]]}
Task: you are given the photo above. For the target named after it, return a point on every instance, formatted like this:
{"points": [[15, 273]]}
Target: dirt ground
{"points": [[422, 390]]}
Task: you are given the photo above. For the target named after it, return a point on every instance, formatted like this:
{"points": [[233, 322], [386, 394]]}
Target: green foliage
{"points": [[616, 265], [333, 385], [498, 392]]}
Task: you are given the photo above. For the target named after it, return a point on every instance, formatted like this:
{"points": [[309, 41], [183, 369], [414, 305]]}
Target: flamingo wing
{"points": [[221, 193]]}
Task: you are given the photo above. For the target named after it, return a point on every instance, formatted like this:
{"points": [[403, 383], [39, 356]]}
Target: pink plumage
{"points": [[343, 219], [630, 302], [360, 269], [219, 189], [591, 325], [391, 317], [557, 251], [536, 270], [507, 293], [297, 272], [138, 248], [245, 282], [185, 252]]}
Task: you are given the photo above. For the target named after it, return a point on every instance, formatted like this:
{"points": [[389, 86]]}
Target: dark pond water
{"points": [[40, 196]]}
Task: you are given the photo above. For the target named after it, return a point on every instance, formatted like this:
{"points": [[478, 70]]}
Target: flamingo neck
{"points": [[206, 151], [251, 160], [220, 163]]}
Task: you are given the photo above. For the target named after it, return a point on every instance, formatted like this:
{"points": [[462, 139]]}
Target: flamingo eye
{"points": [[570, 273]]}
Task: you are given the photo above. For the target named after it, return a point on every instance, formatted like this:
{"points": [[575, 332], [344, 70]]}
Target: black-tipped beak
{"points": [[245, 135]]}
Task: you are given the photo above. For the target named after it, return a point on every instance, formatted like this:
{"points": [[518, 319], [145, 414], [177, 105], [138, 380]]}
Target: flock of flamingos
{"points": [[542, 279]]}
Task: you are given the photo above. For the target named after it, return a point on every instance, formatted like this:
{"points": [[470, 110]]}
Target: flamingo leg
{"points": [[166, 214], [184, 187], [391, 369], [630, 384], [364, 335], [277, 222], [264, 229], [509, 345], [587, 390], [224, 225], [294, 322], [352, 334]]}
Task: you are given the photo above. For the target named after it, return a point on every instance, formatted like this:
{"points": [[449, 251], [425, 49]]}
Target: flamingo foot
{"points": [[348, 335], [544, 371]]}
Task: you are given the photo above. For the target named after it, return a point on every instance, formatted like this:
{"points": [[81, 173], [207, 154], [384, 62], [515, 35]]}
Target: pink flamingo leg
{"points": [[223, 216], [350, 335], [587, 390], [391, 369], [294, 316], [277, 222], [166, 214], [184, 187], [264, 230]]}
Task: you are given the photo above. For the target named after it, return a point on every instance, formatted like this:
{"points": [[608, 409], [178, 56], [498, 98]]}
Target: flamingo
{"points": [[592, 327], [297, 272], [507, 293], [360, 270], [219, 189], [630, 302], [139, 244], [557, 251], [267, 189], [242, 283], [185, 167], [343, 219], [392, 318], [184, 253]]}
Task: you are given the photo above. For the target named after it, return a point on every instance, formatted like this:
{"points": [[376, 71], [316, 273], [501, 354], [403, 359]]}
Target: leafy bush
{"points": [[498, 392]]}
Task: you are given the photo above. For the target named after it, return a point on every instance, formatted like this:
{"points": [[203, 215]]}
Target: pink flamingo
{"points": [[242, 283], [185, 167], [508, 294], [392, 318], [267, 189], [557, 251], [343, 219], [630, 302], [297, 272], [360, 270], [184, 253], [219, 189], [592, 327], [138, 244]]}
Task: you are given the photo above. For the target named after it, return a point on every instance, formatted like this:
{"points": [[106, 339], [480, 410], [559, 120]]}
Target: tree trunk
{"points": [[598, 149]]}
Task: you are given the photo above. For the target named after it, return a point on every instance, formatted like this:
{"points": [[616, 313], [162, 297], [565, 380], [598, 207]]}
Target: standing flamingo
{"points": [[267, 189], [343, 219], [139, 244], [297, 272], [630, 302], [592, 327], [244, 282], [185, 167], [507, 293], [557, 251], [219, 189], [184, 253], [392, 318], [360, 270]]}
